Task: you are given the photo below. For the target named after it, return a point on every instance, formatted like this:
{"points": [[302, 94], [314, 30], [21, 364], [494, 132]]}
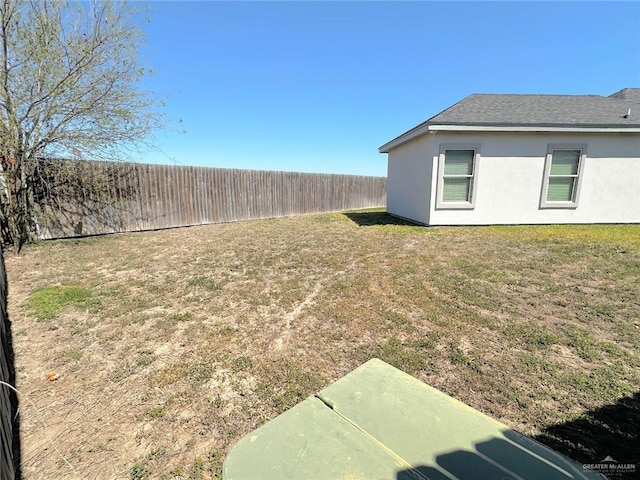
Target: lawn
{"points": [[171, 345]]}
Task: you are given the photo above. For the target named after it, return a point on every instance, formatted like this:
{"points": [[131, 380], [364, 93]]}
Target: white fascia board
{"points": [[506, 128], [396, 142], [481, 128]]}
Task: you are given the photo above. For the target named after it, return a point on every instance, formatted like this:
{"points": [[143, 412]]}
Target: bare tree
{"points": [[69, 78]]}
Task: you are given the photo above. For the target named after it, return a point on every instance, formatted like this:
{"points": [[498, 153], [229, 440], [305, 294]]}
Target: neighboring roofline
{"points": [[426, 128]]}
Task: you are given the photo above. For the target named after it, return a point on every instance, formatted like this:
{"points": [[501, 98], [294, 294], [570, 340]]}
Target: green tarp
{"points": [[380, 423]]}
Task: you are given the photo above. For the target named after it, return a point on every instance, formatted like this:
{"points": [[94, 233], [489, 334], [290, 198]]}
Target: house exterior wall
{"points": [[510, 179], [409, 179]]}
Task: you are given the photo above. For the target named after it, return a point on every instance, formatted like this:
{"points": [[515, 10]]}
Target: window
{"points": [[562, 176], [457, 174]]}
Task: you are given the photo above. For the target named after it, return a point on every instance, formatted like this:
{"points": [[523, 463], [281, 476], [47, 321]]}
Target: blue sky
{"points": [[319, 86]]}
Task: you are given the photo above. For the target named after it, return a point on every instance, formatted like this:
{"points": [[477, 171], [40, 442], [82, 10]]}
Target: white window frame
{"points": [[471, 203], [573, 203]]}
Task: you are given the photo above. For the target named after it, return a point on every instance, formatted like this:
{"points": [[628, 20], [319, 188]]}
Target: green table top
{"points": [[380, 423]]}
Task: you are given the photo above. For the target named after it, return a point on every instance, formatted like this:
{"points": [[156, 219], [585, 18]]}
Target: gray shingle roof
{"points": [[543, 110], [632, 94], [567, 111]]}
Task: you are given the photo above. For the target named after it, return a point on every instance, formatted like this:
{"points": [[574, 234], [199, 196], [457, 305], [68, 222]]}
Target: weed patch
{"points": [[47, 302], [138, 471], [530, 337]]}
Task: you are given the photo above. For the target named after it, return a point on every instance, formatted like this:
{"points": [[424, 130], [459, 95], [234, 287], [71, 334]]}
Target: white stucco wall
{"points": [[409, 180], [510, 179]]}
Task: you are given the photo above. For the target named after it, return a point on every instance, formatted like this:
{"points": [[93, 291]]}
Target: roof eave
{"points": [[404, 138], [428, 128]]}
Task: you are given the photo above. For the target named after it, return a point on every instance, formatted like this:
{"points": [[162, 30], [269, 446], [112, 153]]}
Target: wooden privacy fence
{"points": [[108, 197], [8, 402]]}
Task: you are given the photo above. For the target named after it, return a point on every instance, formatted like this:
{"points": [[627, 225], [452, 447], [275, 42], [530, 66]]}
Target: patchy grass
{"points": [[171, 345], [46, 303]]}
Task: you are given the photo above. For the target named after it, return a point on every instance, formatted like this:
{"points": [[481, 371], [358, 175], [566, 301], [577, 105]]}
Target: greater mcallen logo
{"points": [[609, 466]]}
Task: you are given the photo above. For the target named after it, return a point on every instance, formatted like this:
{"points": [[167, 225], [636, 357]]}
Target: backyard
{"points": [[171, 345]]}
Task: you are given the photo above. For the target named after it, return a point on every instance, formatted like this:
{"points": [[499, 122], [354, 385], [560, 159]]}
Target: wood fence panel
{"points": [[225, 203], [214, 188], [147, 197], [9, 447]]}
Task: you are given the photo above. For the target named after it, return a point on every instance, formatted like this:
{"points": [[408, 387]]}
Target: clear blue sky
{"points": [[319, 86]]}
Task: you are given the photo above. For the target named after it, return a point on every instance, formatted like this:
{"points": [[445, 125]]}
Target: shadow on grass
{"points": [[369, 219], [609, 431]]}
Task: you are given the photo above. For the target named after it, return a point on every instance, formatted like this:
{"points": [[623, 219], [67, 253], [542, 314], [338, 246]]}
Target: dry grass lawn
{"points": [[171, 345]]}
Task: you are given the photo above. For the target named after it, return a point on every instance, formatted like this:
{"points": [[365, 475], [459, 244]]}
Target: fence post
{"points": [[9, 426]]}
